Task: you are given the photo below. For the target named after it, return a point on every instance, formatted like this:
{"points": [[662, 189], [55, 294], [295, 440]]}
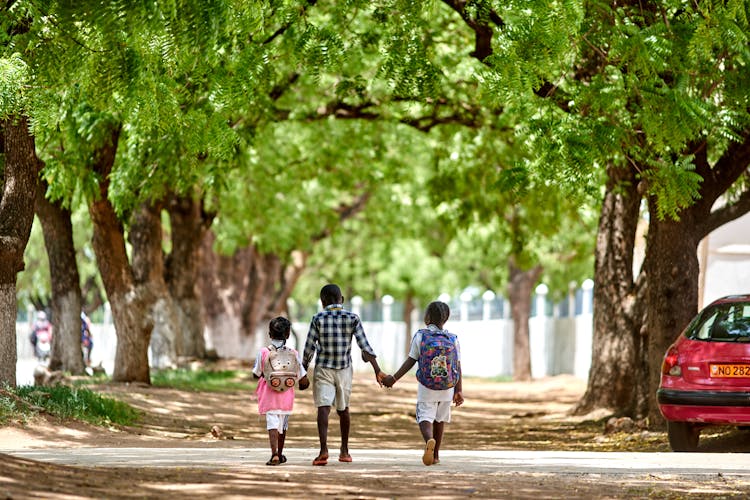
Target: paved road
{"points": [[610, 463]]}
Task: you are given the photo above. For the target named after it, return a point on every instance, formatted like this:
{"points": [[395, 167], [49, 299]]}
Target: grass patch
{"points": [[65, 402], [203, 380]]}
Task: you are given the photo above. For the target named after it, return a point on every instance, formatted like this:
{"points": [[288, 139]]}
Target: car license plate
{"points": [[729, 371]]}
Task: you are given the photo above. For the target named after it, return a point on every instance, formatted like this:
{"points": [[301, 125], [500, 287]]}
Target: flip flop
{"points": [[321, 460], [277, 460], [436, 461], [282, 459], [428, 458], [345, 458]]}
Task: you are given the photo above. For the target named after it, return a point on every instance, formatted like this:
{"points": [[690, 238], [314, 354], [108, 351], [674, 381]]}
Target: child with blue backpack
{"points": [[439, 375]]}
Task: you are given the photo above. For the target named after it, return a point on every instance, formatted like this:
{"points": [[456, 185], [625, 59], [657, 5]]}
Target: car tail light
{"points": [[670, 366]]}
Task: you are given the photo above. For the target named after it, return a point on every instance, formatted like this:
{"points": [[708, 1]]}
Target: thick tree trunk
{"points": [[130, 304], [520, 288], [614, 376], [671, 261], [66, 289], [242, 292], [672, 296], [145, 238], [16, 217], [222, 293], [189, 224]]}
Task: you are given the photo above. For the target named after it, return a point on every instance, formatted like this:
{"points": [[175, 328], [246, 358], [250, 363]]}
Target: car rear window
{"points": [[724, 322]]}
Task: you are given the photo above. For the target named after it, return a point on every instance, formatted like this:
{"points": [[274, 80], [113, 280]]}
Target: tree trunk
{"points": [[16, 218], [222, 293], [520, 288], [616, 344], [130, 304], [145, 237], [241, 292], [672, 254], [672, 296], [189, 224], [66, 289]]}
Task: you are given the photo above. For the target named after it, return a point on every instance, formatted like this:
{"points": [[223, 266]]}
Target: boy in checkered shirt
{"points": [[330, 336]]}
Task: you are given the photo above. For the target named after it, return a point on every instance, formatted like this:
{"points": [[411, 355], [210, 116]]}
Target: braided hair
{"points": [[437, 313], [279, 328]]}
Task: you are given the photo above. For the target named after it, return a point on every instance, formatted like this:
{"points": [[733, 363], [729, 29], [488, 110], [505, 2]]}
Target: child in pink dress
{"points": [[275, 405]]}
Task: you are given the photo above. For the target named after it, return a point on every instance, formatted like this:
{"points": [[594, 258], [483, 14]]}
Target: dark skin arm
{"points": [[369, 358], [389, 380], [458, 397]]}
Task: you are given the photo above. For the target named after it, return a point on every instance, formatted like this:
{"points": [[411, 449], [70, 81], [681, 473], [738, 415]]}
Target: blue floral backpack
{"points": [[438, 360]]}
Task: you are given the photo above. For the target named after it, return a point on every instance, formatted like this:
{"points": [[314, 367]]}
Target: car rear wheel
{"points": [[683, 436]]}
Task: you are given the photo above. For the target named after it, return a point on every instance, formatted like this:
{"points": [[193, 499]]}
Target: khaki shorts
{"points": [[332, 386]]}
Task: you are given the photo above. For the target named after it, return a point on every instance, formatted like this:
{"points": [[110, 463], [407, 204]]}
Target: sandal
{"points": [[321, 460], [428, 458], [275, 460], [282, 459]]}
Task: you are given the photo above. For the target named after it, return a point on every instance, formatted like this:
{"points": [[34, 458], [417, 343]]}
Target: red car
{"points": [[705, 376]]}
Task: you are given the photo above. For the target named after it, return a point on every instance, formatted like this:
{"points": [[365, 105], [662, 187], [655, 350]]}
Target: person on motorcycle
{"points": [[41, 336]]}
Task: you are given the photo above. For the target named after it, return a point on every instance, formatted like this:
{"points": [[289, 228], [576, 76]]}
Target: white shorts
{"points": [[332, 386], [278, 421], [435, 411]]}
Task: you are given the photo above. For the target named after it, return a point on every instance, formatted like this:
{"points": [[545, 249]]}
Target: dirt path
{"points": [[496, 416]]}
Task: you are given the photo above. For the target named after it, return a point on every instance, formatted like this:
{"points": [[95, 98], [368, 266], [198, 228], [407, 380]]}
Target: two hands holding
{"points": [[390, 380]]}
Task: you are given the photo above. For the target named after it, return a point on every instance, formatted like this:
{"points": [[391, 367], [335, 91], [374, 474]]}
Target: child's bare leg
{"points": [[345, 423], [428, 458], [281, 438], [426, 428], [323, 412], [438, 428], [273, 438]]}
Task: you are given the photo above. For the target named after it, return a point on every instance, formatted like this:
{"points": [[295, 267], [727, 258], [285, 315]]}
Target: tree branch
{"points": [[282, 29], [733, 163], [345, 212], [483, 27], [461, 114], [725, 214]]}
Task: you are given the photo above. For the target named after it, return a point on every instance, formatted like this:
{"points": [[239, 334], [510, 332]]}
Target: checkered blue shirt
{"points": [[330, 335]]}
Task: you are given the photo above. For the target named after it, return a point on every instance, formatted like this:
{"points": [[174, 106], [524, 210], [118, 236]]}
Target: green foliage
{"points": [[14, 76], [284, 114], [675, 187], [506, 206], [203, 380], [67, 402], [635, 86]]}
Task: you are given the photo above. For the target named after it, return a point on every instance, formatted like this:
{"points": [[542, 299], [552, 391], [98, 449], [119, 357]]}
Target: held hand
{"points": [[379, 376], [304, 383], [389, 380], [458, 398]]}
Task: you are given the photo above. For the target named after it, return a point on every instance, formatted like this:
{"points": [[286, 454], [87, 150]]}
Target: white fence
{"points": [[558, 345]]}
